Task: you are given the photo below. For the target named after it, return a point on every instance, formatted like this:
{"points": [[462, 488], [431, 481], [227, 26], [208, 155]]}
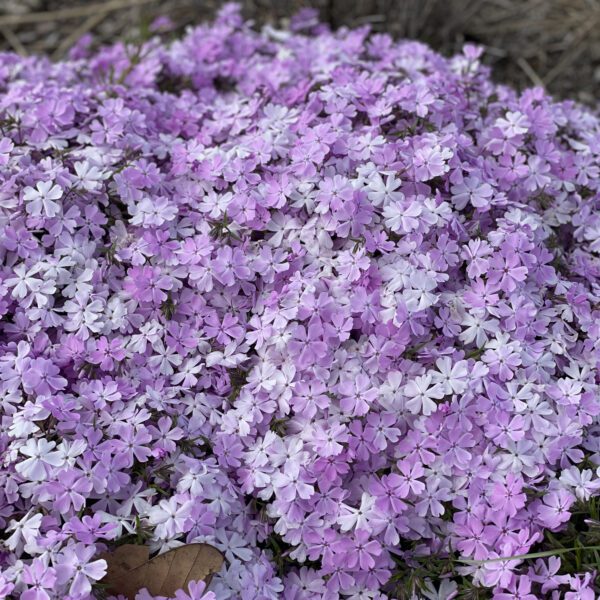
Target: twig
{"points": [[568, 57], [497, 52], [71, 13], [528, 70], [369, 19], [14, 41], [454, 21], [72, 38]]}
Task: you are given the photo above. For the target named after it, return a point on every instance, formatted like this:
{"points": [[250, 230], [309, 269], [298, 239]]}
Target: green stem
{"points": [[543, 554]]}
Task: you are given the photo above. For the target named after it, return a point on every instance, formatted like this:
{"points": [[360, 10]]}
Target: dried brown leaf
{"points": [[130, 569]]}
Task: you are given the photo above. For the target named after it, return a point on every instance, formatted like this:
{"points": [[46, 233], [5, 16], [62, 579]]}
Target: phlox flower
{"points": [[42, 377], [520, 589], [40, 578], [422, 393], [357, 518], [508, 497], [151, 212], [40, 201], [6, 147], [436, 491], [554, 509], [106, 353], [307, 345], [76, 569], [431, 161], [472, 191], [363, 551], [69, 491], [40, 455], [89, 529], [170, 517], [325, 300], [581, 481], [23, 533], [356, 395]]}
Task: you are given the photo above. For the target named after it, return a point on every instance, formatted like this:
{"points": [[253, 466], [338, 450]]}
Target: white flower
{"points": [[149, 333], [195, 480], [82, 284], [24, 283], [420, 296], [581, 481], [477, 329], [186, 375], [391, 397], [402, 219], [164, 357], [233, 546], [88, 176], [380, 191], [215, 204], [520, 458], [40, 453], [152, 212], [71, 450], [446, 591], [125, 524], [169, 517], [453, 377], [228, 358], [356, 518], [263, 376], [422, 394], [84, 314], [41, 199], [513, 124], [24, 533]]}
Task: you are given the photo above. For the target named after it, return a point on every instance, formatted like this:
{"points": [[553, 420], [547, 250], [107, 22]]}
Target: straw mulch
{"points": [[555, 43]]}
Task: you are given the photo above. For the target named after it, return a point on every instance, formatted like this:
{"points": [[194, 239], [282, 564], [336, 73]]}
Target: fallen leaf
{"points": [[130, 569]]}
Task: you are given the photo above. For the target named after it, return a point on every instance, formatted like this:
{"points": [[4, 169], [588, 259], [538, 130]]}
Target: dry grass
{"points": [[555, 43]]}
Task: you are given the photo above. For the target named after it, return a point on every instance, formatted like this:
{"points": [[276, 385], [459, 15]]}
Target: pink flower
{"points": [[316, 297], [508, 497], [147, 284], [41, 580], [472, 191], [42, 377], [554, 510], [363, 551], [306, 344], [506, 271], [356, 396], [76, 569], [229, 265], [69, 491], [106, 353], [519, 589], [89, 529]]}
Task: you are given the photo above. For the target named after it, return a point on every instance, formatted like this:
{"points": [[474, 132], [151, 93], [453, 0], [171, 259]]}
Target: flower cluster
{"points": [[326, 301]]}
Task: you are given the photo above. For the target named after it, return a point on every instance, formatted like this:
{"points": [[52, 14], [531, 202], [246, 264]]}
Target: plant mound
{"points": [[326, 301]]}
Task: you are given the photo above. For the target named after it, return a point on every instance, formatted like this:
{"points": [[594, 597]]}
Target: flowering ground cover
{"points": [[326, 301]]}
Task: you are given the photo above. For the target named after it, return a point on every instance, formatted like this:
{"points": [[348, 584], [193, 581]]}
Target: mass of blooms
{"points": [[326, 301]]}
